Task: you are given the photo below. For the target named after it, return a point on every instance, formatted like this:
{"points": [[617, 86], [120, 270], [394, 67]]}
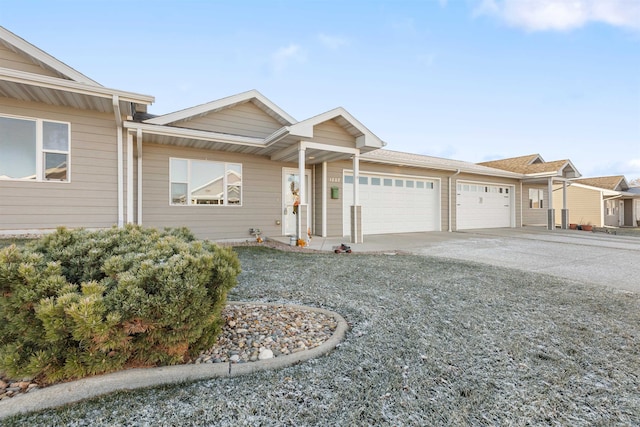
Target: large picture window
{"points": [[536, 198], [34, 149], [203, 182]]}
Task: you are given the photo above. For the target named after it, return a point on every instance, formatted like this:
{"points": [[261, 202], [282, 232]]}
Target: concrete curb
{"points": [[131, 379]]}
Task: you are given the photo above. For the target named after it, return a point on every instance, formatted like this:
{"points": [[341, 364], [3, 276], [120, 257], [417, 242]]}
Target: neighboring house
{"points": [[604, 201], [77, 154], [539, 204]]}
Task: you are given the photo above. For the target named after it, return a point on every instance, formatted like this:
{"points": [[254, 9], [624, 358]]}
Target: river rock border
{"points": [[131, 379]]}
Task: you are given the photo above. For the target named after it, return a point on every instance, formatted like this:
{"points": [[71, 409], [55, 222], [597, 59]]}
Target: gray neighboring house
{"points": [[77, 154]]}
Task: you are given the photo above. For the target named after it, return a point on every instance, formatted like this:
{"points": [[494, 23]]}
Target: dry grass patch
{"points": [[432, 342]]}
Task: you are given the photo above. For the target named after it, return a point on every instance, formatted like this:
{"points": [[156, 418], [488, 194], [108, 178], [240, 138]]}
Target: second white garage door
{"points": [[393, 204], [484, 205]]}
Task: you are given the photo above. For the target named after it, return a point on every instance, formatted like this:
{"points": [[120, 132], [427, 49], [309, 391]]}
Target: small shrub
{"points": [[78, 303]]}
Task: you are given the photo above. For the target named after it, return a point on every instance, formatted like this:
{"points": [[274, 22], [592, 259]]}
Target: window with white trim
{"points": [[205, 182], [611, 207], [34, 149], [536, 198]]}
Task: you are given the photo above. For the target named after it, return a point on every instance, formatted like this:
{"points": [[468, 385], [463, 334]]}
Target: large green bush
{"points": [[77, 303]]}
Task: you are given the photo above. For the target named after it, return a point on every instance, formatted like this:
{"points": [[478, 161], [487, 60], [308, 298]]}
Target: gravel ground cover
{"points": [[432, 342]]}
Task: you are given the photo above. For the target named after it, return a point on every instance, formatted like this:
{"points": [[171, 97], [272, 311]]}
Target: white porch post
{"points": [[551, 217], [303, 193], [356, 209], [129, 178], [356, 179], [324, 199]]}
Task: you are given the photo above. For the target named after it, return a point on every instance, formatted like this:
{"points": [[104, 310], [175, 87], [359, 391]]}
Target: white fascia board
{"points": [[219, 104], [604, 191], [553, 174], [332, 148], [45, 58], [434, 166], [276, 136], [38, 80], [195, 134]]}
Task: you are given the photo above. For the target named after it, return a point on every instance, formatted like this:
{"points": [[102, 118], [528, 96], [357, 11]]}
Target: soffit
{"points": [[286, 148], [54, 91]]}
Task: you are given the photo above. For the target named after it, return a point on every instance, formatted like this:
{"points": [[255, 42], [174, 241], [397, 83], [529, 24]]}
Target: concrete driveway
{"points": [[586, 257]]}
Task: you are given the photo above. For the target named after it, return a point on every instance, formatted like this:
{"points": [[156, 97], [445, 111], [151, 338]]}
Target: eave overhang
{"points": [[54, 91]]}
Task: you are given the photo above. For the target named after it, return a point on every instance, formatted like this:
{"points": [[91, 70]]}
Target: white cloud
{"points": [[332, 42], [282, 57], [562, 15]]}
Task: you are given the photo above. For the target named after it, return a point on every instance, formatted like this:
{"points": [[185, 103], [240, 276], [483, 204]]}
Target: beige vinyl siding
{"points": [[331, 133], [479, 179], [261, 195], [90, 198], [584, 204], [334, 206], [20, 62], [244, 119], [535, 216]]}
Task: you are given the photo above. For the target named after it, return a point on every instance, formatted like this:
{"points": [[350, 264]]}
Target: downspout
{"points": [[450, 197], [120, 183]]}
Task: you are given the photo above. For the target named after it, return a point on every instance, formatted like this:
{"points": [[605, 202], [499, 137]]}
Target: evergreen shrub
{"points": [[77, 302]]}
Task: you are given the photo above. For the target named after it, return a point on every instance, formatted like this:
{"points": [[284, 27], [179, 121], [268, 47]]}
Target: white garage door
{"points": [[393, 204], [484, 205]]}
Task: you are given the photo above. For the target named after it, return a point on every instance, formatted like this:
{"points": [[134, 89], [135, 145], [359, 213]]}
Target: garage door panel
{"points": [[484, 206], [397, 205]]}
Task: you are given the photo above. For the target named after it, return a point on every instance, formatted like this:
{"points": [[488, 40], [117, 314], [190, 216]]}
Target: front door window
{"points": [[291, 200]]}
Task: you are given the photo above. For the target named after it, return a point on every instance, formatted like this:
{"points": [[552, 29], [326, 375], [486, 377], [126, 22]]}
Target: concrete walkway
{"points": [[597, 258]]}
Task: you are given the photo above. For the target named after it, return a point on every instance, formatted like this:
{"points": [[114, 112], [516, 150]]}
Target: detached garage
{"points": [[393, 203], [480, 205]]}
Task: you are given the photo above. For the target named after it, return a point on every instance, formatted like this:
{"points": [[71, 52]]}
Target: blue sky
{"points": [[470, 80]]}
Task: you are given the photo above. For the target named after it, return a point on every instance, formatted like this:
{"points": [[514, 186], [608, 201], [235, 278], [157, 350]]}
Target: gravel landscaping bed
{"points": [[432, 342]]}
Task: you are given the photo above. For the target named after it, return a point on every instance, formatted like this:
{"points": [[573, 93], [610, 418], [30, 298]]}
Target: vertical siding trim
{"points": [[129, 178], [450, 198]]}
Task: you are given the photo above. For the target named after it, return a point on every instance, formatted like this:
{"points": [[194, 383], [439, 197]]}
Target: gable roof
{"points": [[43, 59], [63, 86], [253, 96], [534, 165], [514, 164], [615, 182], [429, 162], [364, 137]]}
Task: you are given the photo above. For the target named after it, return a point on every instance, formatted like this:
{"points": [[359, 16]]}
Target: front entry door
{"points": [[290, 199]]}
